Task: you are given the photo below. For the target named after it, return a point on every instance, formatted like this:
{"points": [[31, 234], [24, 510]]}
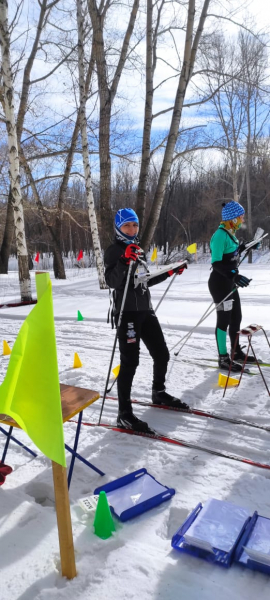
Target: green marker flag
{"points": [[30, 392]]}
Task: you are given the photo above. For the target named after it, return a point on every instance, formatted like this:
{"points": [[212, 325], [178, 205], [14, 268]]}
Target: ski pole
{"points": [[116, 335], [167, 289], [205, 315]]}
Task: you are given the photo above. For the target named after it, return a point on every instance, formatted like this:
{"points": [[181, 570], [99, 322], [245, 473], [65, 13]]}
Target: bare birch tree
{"points": [[85, 149], [7, 225], [14, 162]]}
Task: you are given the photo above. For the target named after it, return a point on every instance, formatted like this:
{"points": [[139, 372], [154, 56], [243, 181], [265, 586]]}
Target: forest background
{"points": [[161, 106]]}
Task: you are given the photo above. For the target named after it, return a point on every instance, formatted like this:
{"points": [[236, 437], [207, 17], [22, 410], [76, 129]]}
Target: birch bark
{"points": [[7, 237], [14, 164], [85, 151]]}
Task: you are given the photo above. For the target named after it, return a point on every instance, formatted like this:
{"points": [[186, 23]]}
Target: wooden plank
{"points": [[73, 400]]}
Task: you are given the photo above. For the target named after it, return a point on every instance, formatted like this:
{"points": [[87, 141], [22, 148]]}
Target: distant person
{"points": [[30, 262], [139, 321], [225, 252]]}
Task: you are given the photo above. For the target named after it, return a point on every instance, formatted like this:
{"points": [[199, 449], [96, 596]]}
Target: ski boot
{"points": [[128, 420], [240, 356], [162, 397], [225, 363]]}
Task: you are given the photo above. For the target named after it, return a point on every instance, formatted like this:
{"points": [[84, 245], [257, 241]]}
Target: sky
{"points": [[56, 99]]}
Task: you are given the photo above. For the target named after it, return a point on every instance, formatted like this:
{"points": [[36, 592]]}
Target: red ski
{"points": [[16, 304], [155, 435]]}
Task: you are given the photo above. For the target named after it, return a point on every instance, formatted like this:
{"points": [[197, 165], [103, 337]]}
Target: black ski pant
{"points": [[220, 287], [136, 326]]}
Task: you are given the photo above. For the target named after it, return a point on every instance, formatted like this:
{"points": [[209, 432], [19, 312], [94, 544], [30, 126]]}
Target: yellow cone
{"points": [[116, 370], [77, 361], [6, 348], [232, 382]]}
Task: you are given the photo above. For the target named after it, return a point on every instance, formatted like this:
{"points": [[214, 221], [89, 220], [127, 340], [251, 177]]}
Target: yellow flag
{"points": [[30, 392], [116, 370], [192, 249], [154, 255]]}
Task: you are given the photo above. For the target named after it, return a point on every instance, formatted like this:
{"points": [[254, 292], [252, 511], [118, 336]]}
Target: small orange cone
{"points": [[6, 348], [232, 382], [77, 361]]}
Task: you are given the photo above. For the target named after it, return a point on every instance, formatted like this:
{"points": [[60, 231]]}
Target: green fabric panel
{"points": [[221, 341], [221, 243]]}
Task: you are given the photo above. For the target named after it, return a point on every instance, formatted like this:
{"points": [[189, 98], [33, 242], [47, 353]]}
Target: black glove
{"points": [[241, 280], [241, 247]]}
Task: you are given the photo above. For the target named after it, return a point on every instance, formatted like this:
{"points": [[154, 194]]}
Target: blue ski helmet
{"points": [[125, 215], [232, 210]]}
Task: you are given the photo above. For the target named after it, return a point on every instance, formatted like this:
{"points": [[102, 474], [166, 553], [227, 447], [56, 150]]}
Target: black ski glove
{"points": [[243, 246], [241, 280]]}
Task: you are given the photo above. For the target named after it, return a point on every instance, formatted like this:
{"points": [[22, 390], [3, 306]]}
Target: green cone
{"points": [[80, 317], [103, 523]]}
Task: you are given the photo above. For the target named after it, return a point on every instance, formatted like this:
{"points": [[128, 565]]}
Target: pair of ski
{"points": [[199, 413], [152, 434], [214, 365]]}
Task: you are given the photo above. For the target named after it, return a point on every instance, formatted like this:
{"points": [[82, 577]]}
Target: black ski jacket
{"points": [[138, 298]]}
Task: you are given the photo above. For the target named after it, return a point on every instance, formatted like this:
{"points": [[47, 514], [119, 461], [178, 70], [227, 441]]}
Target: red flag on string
{"points": [[37, 257], [80, 255]]}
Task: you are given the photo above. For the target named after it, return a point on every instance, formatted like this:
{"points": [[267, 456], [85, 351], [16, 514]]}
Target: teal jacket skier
{"points": [[224, 281]]}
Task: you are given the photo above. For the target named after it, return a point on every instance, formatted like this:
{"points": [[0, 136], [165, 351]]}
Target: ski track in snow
{"points": [[138, 560]]}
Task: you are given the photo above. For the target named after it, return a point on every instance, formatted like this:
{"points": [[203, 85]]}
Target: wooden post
{"points": [[67, 555]]}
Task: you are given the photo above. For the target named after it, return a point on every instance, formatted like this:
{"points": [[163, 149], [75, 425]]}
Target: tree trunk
{"points": [[148, 113], [249, 207], [7, 237], [234, 176], [58, 264], [105, 168], [186, 72], [85, 150], [106, 98], [14, 164]]}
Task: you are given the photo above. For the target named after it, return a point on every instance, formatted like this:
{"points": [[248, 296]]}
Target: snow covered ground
{"points": [[138, 560]]}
